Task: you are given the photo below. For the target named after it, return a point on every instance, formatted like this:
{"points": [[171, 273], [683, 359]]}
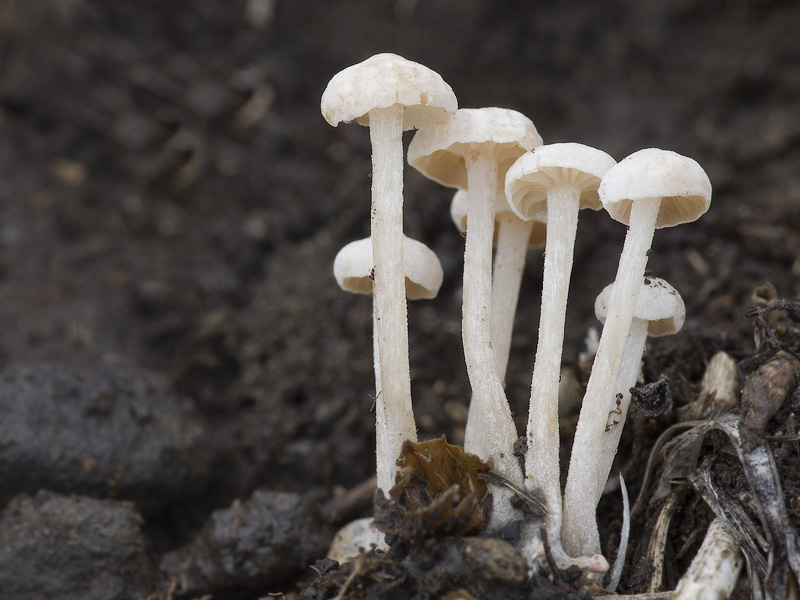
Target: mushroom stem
{"points": [[509, 263], [492, 412], [579, 530], [628, 374], [384, 466], [542, 459], [386, 133], [512, 236]]}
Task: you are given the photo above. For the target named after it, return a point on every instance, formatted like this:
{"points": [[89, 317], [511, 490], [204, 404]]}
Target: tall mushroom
{"points": [[471, 151], [555, 180], [649, 189], [512, 238], [423, 277], [389, 94]]}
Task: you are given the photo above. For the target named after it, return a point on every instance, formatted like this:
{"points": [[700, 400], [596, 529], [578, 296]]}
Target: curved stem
{"points": [[386, 133], [542, 469], [513, 235], [628, 374], [579, 530], [492, 412]]}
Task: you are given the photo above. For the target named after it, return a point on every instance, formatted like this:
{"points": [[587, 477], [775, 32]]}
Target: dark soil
{"points": [[171, 202], [56, 547]]}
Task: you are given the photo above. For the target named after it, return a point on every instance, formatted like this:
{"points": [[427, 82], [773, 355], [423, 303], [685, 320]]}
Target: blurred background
{"points": [[171, 199]]}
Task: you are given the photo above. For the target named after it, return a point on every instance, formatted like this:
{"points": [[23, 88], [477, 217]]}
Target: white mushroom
{"points": [[649, 189], [659, 312], [555, 180], [422, 271], [512, 238], [389, 94], [471, 151]]}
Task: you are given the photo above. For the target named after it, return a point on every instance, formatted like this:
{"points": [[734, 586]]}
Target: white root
{"points": [[715, 569]]}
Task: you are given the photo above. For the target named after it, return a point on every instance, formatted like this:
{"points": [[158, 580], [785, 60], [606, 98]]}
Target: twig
{"points": [[619, 563], [356, 571], [662, 439]]}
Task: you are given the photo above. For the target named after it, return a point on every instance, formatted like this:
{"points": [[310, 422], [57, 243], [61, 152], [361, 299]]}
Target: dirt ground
{"points": [[171, 201]]}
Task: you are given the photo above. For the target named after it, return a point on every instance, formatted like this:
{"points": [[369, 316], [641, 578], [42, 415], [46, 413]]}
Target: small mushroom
{"points": [[471, 151], [659, 312], [422, 270], [649, 189], [389, 94], [555, 180]]}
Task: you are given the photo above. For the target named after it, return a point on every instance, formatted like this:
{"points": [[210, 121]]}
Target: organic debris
{"points": [[431, 518], [746, 497], [653, 399], [438, 492]]}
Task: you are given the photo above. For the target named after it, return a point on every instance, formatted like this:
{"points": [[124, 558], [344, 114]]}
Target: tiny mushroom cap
{"points": [[458, 213], [529, 179], [554, 181], [438, 152], [382, 81], [679, 181], [658, 303], [355, 538], [353, 266]]}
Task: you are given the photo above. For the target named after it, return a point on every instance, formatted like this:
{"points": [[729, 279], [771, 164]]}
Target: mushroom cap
{"points": [[658, 303], [460, 205], [534, 173], [382, 81], [680, 183], [353, 266], [438, 150]]}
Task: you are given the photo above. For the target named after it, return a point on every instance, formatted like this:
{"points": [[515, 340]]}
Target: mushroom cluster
{"points": [[513, 193]]}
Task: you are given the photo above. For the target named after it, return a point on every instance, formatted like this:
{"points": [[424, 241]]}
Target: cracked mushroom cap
{"points": [[353, 266], [460, 205], [529, 178], [438, 151], [680, 183], [658, 303], [382, 81]]}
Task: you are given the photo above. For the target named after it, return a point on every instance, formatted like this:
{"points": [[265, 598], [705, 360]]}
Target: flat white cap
{"points": [[438, 150], [529, 178], [353, 539], [460, 205], [382, 81], [658, 303], [680, 183], [353, 266]]}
